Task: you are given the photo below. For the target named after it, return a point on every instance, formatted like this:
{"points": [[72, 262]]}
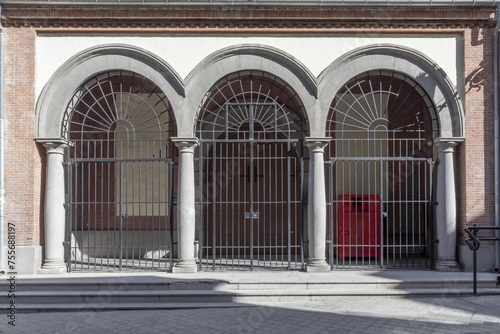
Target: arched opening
{"points": [[251, 128], [120, 172], [380, 174]]}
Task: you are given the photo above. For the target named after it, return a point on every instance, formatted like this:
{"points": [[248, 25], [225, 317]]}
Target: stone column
{"points": [[317, 206], [446, 210], [186, 206], [55, 213]]}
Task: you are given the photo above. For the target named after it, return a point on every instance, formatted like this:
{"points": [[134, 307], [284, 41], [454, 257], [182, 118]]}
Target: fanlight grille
{"points": [[382, 102], [276, 109], [118, 102]]}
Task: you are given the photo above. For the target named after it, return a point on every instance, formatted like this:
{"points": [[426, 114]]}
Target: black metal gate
{"points": [[120, 175], [120, 214], [379, 173], [250, 198], [380, 212]]}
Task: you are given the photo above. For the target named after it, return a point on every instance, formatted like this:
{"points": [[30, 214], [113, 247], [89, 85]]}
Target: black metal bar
{"points": [[90, 160], [474, 260], [69, 213], [171, 214], [252, 177], [120, 248], [201, 238], [474, 242], [483, 228]]}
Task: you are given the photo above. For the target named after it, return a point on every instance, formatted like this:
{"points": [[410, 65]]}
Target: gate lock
{"points": [[251, 215]]}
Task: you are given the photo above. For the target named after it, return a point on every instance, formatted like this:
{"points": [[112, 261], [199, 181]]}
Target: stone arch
{"points": [[58, 91], [239, 58], [410, 62], [449, 125], [51, 111]]}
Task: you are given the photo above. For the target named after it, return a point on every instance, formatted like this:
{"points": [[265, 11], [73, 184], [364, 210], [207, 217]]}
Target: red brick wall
{"points": [[23, 159], [475, 164]]}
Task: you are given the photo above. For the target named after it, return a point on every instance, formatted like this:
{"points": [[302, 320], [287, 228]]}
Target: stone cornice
{"points": [[254, 17]]}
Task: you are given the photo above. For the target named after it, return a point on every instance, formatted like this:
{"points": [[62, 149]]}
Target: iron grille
{"points": [[250, 174], [120, 174], [379, 173]]}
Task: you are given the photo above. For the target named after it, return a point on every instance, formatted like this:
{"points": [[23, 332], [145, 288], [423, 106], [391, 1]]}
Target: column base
{"points": [[448, 265], [183, 267], [53, 267], [317, 266]]}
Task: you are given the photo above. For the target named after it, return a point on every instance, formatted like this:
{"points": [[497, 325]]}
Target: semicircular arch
{"points": [[234, 59], [61, 87], [412, 63]]}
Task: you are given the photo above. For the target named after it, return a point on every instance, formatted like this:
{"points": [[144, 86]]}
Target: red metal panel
{"points": [[358, 226]]}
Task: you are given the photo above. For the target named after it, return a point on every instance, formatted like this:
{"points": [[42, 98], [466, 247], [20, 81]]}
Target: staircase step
{"points": [[117, 285], [228, 286], [201, 290], [45, 307], [198, 296], [205, 299]]}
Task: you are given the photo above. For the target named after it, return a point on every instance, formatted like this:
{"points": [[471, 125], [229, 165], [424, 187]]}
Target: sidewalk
{"points": [[367, 315], [342, 314]]}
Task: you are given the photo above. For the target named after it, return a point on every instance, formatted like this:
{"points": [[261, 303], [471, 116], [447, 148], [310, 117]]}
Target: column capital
{"points": [[54, 146], [186, 144], [447, 144], [317, 144]]}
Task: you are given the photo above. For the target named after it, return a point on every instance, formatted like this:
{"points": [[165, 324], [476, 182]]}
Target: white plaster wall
{"points": [[183, 53]]}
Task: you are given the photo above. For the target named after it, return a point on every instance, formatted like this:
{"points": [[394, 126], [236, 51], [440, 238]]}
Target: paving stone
{"points": [[342, 315]]}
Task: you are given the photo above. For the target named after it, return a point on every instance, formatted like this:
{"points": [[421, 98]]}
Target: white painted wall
{"points": [[183, 53]]}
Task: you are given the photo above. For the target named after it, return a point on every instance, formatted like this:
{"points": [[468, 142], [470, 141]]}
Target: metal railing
{"points": [[474, 242]]}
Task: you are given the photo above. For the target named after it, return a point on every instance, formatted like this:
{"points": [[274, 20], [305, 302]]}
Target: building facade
{"points": [[233, 135]]}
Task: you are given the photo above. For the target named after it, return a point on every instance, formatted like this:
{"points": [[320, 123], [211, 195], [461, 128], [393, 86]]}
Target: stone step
{"points": [[149, 299], [118, 306], [196, 294], [160, 290], [117, 285]]}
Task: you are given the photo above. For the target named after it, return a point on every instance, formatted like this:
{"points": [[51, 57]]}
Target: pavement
{"points": [[342, 314], [375, 315]]}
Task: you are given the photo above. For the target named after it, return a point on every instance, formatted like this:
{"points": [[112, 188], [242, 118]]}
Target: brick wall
{"points": [[23, 159], [475, 164]]}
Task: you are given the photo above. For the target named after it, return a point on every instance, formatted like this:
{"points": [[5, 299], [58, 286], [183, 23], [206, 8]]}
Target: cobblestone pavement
{"points": [[342, 315]]}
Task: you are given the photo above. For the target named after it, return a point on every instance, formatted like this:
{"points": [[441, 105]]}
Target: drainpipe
{"points": [[497, 143], [2, 165]]}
